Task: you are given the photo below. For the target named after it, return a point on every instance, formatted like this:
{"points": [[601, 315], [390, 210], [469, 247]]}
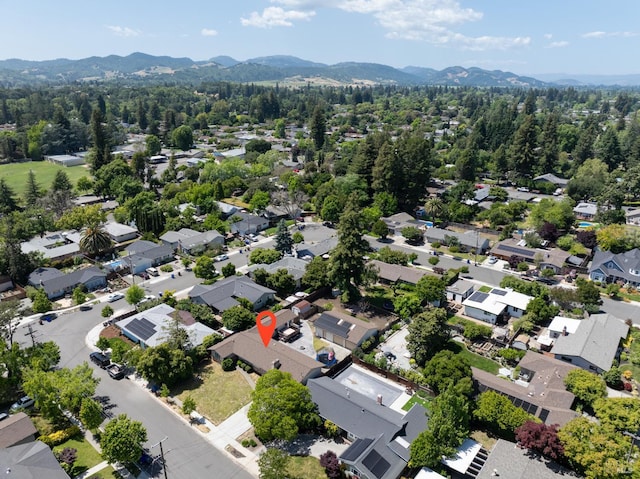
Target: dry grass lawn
{"points": [[307, 467], [220, 393]]}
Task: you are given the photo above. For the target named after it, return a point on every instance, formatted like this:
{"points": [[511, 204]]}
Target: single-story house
{"points": [[508, 460], [469, 241], [221, 295], [17, 429], [275, 213], [119, 232], [397, 222], [559, 326], [346, 331], [56, 283], [459, 291], [585, 211], [53, 246], [553, 258], [594, 345], [227, 209], [65, 160], [295, 267], [191, 241], [396, 273], [381, 436], [309, 251], [553, 179], [237, 153], [248, 347], [539, 388], [608, 267], [495, 304], [30, 460], [249, 224], [143, 254], [149, 328]]}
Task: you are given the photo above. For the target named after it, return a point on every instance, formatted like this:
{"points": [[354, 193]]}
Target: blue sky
{"points": [[523, 36]]}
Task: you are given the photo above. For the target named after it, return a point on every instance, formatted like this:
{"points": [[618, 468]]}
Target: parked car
{"points": [[492, 260], [3, 416], [221, 257], [114, 297], [115, 371], [99, 359], [22, 403], [48, 317], [86, 307], [523, 189], [152, 272]]}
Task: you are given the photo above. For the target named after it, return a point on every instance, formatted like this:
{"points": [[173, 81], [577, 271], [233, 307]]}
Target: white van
{"points": [[152, 272]]}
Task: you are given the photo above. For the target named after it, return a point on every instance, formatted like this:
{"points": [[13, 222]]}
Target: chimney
{"points": [[564, 331], [276, 364], [379, 399]]}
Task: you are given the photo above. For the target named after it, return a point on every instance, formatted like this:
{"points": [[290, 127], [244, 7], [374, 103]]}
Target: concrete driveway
{"points": [[397, 344]]}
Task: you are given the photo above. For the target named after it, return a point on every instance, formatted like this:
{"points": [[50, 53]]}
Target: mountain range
{"points": [[144, 69]]}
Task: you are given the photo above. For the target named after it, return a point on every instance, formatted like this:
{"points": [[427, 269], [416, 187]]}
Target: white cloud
{"points": [[548, 36], [600, 34], [560, 44], [276, 17], [208, 32], [123, 31]]}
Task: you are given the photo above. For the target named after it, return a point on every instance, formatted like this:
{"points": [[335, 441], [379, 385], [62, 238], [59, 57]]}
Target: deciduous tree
{"points": [[122, 440], [428, 333], [238, 318], [540, 438]]}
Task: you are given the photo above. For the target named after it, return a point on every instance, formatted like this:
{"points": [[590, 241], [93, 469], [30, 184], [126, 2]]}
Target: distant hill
{"points": [[596, 80], [141, 68]]}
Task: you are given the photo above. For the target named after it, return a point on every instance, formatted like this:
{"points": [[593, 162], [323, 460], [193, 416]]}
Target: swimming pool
{"points": [[429, 224], [585, 224]]}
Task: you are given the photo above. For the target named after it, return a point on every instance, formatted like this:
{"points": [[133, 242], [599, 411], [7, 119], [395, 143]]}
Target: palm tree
{"points": [[95, 240], [434, 207]]}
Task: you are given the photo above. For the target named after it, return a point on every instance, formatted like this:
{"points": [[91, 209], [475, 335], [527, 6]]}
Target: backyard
{"points": [[419, 397], [16, 174], [219, 394], [627, 359], [475, 360]]}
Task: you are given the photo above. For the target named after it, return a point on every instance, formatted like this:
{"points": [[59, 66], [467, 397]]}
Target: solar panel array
{"points": [[478, 296], [330, 323], [356, 449], [499, 292], [377, 464], [516, 250], [544, 413], [521, 403], [142, 328]]}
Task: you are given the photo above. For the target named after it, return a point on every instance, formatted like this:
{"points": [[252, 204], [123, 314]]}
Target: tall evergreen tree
{"points": [[101, 150], [317, 126], [523, 150], [61, 182], [550, 148], [7, 198], [33, 191], [284, 241]]}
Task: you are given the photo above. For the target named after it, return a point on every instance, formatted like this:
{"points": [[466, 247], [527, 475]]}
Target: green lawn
{"points": [[87, 455], [305, 467], [419, 398], [220, 394], [16, 174], [106, 473], [484, 289], [475, 360]]}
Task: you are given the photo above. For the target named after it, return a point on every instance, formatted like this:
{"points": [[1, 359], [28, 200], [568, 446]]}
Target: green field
{"points": [[16, 174]]}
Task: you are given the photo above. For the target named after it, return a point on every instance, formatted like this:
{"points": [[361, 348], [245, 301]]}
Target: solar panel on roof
{"points": [[499, 292], [141, 328], [518, 402], [478, 297], [376, 464], [330, 323], [516, 250], [356, 449], [544, 414]]}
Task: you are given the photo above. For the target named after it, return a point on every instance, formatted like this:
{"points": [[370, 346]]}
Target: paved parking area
{"points": [[360, 380], [397, 344]]}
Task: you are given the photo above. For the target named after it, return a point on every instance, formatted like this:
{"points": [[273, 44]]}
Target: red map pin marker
{"points": [[266, 330]]}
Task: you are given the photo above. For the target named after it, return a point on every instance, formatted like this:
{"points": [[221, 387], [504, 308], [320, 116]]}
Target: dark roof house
{"points": [[30, 461], [191, 241], [469, 240], [346, 331], [610, 267], [221, 295], [17, 429], [56, 283], [552, 258], [394, 273]]}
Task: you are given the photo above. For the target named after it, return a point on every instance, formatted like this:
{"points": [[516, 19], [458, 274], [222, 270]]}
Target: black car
{"points": [[86, 307], [99, 359], [48, 317]]}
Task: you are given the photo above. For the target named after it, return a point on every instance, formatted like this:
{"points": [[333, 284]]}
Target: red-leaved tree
{"points": [[331, 465], [540, 438]]}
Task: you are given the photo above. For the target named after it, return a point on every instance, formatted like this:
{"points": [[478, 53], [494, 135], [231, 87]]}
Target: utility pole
{"points": [[164, 465], [31, 333]]}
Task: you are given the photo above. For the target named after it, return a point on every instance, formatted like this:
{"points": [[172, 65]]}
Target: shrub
{"points": [[627, 374], [433, 260], [454, 249], [228, 364], [167, 268], [188, 405], [252, 443], [58, 437], [331, 429], [464, 269], [436, 244], [628, 387], [522, 266], [164, 391], [245, 443], [328, 307]]}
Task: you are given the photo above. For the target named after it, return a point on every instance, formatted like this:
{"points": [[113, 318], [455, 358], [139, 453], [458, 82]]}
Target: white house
{"points": [[496, 304]]}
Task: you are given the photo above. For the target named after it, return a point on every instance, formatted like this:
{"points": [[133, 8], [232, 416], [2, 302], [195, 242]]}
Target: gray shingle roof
{"points": [[16, 428], [468, 239], [221, 294], [52, 282], [30, 461], [294, 266], [620, 264], [596, 340]]}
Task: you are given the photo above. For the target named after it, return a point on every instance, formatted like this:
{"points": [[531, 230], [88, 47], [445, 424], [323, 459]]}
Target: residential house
{"points": [[595, 344], [633, 216], [397, 222], [120, 233], [56, 283], [31, 460], [222, 294], [396, 273], [508, 460], [6, 284], [276, 213], [553, 179], [227, 209], [539, 388], [585, 211], [248, 347], [469, 241], [249, 224], [295, 267], [559, 326], [381, 436], [459, 291], [17, 429], [149, 328], [192, 242], [53, 246], [553, 258], [309, 251], [496, 305], [287, 325], [608, 267], [346, 331], [144, 254]]}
